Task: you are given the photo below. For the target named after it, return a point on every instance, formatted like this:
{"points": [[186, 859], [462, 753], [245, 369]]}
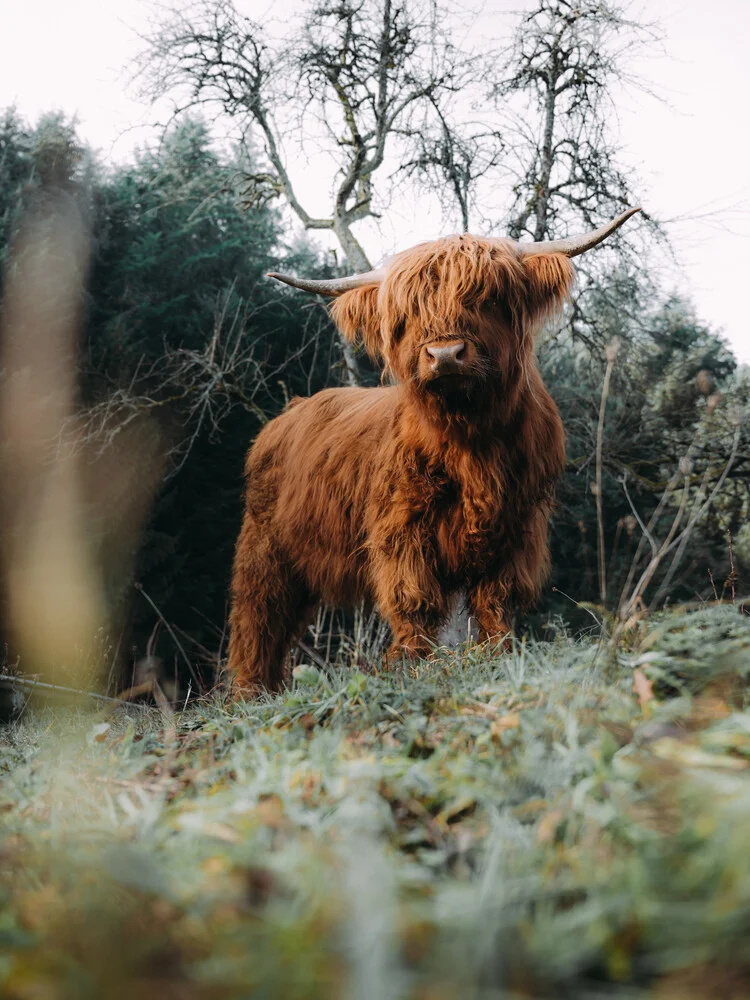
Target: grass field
{"points": [[565, 821]]}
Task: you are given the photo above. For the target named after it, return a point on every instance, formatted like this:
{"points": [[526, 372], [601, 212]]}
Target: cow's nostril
{"points": [[447, 354]]}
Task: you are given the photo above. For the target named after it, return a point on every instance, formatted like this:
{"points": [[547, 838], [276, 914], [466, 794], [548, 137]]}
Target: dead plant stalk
{"points": [[611, 356]]}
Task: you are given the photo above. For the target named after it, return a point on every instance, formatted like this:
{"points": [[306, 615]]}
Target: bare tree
{"points": [[353, 77], [544, 146], [568, 63], [453, 162], [198, 388], [695, 503]]}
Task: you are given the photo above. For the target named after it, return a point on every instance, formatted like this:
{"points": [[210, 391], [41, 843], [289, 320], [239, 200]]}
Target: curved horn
{"points": [[575, 245], [330, 286]]}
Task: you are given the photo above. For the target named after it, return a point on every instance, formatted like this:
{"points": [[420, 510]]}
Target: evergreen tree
{"points": [[183, 336], [181, 313], [674, 402]]}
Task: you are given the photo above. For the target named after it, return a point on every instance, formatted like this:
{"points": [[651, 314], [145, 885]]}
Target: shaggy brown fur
{"points": [[406, 495]]}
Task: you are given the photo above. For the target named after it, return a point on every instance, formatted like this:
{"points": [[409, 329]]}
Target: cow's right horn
{"points": [[330, 286]]}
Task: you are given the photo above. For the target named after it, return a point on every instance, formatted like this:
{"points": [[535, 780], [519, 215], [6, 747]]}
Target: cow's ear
{"points": [[548, 277], [356, 314]]}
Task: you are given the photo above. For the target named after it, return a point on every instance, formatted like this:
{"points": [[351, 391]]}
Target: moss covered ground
{"points": [[567, 820]]}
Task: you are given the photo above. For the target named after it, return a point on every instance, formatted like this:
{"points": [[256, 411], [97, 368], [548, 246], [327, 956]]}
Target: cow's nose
{"points": [[448, 355]]}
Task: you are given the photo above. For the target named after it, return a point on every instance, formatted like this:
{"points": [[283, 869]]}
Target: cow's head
{"points": [[450, 316]]}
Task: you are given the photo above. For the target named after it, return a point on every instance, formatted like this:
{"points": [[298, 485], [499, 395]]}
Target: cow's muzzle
{"points": [[446, 359]]}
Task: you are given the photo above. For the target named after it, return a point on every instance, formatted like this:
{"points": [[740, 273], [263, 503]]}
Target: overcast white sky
{"points": [[692, 154]]}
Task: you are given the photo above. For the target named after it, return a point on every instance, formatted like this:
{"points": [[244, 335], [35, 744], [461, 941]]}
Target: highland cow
{"points": [[406, 495]]}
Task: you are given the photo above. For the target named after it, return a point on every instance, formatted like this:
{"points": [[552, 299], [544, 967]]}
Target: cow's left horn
{"points": [[575, 245], [330, 286]]}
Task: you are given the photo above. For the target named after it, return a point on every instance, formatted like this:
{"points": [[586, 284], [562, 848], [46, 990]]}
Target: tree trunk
{"points": [[357, 261], [355, 255], [546, 162]]}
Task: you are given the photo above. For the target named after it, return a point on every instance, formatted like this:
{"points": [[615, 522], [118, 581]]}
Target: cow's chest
{"points": [[467, 520], [459, 516]]}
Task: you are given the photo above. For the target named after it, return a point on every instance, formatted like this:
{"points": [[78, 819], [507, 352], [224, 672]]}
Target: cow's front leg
{"points": [[490, 604], [517, 582], [410, 598]]}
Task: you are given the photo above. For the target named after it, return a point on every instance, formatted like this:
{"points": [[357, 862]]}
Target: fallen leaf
{"points": [[459, 805], [548, 824], [214, 865], [98, 733], [504, 723], [390, 741], [643, 688], [683, 753], [209, 828], [270, 812], [307, 721]]}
